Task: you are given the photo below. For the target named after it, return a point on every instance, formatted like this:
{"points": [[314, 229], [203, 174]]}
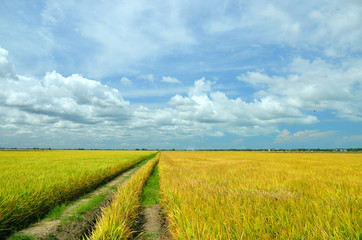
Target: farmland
{"points": [[203, 195], [119, 218], [256, 195], [33, 182]]}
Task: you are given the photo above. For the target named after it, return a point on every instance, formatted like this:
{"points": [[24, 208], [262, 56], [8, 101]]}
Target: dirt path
{"points": [[152, 225], [54, 229]]}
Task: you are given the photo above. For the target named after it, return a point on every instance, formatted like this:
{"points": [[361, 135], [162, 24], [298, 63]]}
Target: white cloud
{"points": [[168, 79], [338, 24], [207, 111], [56, 106], [201, 87], [148, 77], [284, 136], [274, 21], [314, 85], [301, 136], [129, 32], [71, 37], [126, 82], [143, 91], [6, 68], [58, 111], [355, 139], [332, 26], [72, 98]]}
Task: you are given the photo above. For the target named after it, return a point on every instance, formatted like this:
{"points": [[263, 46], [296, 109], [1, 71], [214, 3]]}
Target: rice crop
{"points": [[33, 182], [119, 218], [260, 195]]}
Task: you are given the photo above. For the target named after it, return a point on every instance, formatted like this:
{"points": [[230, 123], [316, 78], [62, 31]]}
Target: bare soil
{"points": [[153, 225]]}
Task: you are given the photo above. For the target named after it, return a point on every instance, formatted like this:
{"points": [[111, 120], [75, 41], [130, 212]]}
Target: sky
{"points": [[181, 74]]}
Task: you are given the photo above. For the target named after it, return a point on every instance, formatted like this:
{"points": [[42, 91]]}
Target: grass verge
{"points": [[151, 190], [88, 206], [57, 211], [119, 218], [21, 237]]}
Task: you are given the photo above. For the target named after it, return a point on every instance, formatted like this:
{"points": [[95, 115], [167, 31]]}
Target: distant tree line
{"points": [[232, 149]]}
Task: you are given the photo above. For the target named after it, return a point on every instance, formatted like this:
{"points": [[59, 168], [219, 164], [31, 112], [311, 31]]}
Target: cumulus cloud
{"points": [[126, 82], [168, 79], [56, 97], [301, 136], [6, 68], [314, 85], [148, 77], [213, 113], [55, 105]]}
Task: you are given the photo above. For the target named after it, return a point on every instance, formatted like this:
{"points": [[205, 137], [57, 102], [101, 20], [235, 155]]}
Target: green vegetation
{"points": [[90, 205], [119, 218], [21, 237], [57, 211], [151, 191], [151, 236], [34, 182]]}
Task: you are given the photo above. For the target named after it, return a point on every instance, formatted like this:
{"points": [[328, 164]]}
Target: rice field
{"points": [[118, 220], [204, 195], [33, 182], [260, 195]]}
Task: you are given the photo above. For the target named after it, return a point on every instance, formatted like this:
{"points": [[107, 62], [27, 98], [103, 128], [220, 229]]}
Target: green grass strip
{"points": [[88, 206], [119, 218], [57, 212], [21, 237], [151, 191]]}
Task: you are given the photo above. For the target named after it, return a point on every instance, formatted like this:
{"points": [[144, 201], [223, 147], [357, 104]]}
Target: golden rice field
{"points": [[260, 195], [33, 182]]}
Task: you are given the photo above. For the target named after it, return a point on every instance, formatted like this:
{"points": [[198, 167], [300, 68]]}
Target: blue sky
{"points": [[181, 74]]}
